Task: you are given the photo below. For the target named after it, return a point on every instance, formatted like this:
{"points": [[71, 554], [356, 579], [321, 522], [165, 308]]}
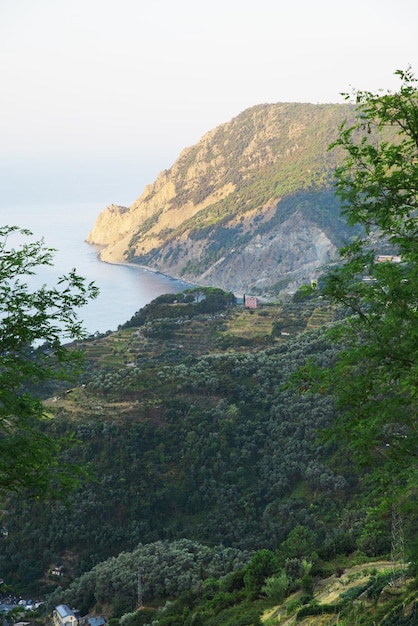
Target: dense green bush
{"points": [[317, 609], [166, 570], [262, 565]]}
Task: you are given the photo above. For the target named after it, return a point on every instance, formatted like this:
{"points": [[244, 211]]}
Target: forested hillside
{"points": [[190, 429], [200, 455]]}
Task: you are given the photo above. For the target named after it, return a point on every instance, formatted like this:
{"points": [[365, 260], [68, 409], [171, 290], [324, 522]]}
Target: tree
{"points": [[300, 542], [34, 323], [375, 376], [263, 564], [276, 586]]}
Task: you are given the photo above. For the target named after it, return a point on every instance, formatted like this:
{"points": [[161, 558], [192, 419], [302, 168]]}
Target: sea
{"points": [[124, 289]]}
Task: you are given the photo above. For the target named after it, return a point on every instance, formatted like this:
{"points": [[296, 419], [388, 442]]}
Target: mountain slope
{"points": [[184, 424], [250, 207]]}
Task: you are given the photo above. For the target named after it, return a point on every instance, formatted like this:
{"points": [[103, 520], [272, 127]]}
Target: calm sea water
{"points": [[123, 289]]}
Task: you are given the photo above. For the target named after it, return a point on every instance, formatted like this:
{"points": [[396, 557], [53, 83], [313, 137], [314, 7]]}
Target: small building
{"points": [[57, 570], [250, 302], [64, 616], [388, 258], [96, 621]]}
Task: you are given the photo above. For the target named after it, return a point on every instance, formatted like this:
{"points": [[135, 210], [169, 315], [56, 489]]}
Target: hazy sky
{"points": [[98, 96]]}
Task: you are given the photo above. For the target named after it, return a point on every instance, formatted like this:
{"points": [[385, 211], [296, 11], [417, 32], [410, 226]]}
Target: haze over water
{"points": [[123, 289]]}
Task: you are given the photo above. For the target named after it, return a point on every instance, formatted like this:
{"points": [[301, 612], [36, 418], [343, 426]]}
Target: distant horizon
{"points": [[99, 97], [69, 179], [75, 182]]}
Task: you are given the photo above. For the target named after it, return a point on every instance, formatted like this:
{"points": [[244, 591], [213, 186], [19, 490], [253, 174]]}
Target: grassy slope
{"points": [[331, 590]]}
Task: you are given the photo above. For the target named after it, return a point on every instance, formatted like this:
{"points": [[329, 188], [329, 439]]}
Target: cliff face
{"points": [[248, 208]]}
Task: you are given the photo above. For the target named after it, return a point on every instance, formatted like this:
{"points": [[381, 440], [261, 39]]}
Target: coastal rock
{"points": [[250, 207]]}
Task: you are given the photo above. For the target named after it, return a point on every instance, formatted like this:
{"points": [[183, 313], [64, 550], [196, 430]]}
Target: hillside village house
{"points": [[64, 616], [250, 302]]}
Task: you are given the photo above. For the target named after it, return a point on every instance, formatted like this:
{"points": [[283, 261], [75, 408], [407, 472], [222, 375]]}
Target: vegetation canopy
{"points": [[33, 325], [374, 377]]}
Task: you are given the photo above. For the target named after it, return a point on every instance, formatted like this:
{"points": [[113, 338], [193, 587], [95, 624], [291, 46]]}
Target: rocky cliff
{"points": [[250, 208]]}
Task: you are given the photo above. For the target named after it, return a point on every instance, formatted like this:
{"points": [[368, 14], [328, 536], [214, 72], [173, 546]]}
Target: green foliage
{"points": [[307, 584], [400, 616], [374, 378], [241, 614], [190, 303], [301, 542], [276, 586], [168, 569], [142, 617], [262, 565], [211, 446], [33, 325], [377, 583]]}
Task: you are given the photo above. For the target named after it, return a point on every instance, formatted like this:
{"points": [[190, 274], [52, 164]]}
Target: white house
{"points": [[64, 616]]}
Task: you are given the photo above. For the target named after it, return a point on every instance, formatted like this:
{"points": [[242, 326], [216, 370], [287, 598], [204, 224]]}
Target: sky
{"points": [[99, 96]]}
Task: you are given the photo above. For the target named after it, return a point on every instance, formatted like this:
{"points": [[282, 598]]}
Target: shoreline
{"points": [[144, 268], [147, 268]]}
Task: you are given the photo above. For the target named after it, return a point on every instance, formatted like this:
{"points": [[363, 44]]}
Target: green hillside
{"points": [[190, 431]]}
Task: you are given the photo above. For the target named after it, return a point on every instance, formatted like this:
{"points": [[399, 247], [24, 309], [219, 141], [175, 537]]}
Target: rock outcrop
{"points": [[248, 208]]}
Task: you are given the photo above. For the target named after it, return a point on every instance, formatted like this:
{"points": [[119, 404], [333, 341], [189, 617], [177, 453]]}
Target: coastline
{"points": [[137, 266]]}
